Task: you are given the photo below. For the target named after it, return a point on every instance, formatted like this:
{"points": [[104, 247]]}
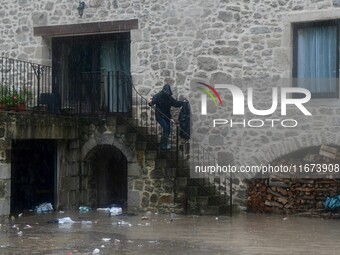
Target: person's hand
{"points": [[150, 101]]}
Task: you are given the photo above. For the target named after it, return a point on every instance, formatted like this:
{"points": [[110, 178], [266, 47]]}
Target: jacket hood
{"points": [[167, 90]]}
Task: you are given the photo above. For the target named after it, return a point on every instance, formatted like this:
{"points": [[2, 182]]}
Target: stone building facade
{"points": [[184, 41]]}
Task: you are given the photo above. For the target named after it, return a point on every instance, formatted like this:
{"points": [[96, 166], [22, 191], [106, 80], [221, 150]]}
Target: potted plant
{"points": [[14, 99], [20, 101], [2, 102], [4, 97]]}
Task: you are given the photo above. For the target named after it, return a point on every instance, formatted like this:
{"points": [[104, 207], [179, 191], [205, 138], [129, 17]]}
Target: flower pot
{"points": [[21, 107]]}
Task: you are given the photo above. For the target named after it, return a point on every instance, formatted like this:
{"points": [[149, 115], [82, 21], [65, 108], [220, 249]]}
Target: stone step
{"points": [[170, 173], [218, 200], [111, 120], [131, 137], [173, 162], [141, 146], [195, 191], [192, 193], [161, 163], [202, 200], [181, 182], [207, 190], [136, 125], [127, 121], [157, 173], [121, 129], [194, 209], [211, 210], [148, 138], [197, 181], [183, 172], [180, 197], [151, 154]]}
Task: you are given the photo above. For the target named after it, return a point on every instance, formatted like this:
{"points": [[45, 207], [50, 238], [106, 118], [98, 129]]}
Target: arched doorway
{"points": [[107, 181]]}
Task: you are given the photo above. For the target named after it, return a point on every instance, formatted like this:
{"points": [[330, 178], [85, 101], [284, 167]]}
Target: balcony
{"points": [[30, 87]]}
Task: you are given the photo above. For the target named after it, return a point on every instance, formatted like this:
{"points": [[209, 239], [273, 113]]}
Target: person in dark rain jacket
{"points": [[164, 101]]}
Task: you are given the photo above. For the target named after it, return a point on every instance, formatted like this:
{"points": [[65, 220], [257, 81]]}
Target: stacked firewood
{"points": [[293, 194], [285, 195]]}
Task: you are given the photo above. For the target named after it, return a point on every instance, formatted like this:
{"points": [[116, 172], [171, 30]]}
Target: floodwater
{"points": [[97, 233]]}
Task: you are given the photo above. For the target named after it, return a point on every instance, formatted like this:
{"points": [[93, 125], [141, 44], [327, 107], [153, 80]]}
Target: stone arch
{"points": [[107, 139], [105, 179], [273, 151], [133, 167]]}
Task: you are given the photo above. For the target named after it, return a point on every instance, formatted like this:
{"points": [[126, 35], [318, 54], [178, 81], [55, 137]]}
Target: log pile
{"points": [[293, 194], [285, 195]]}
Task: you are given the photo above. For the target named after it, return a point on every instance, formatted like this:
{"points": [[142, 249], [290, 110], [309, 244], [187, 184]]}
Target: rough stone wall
{"points": [[35, 126], [5, 171], [148, 187], [68, 174], [182, 41]]}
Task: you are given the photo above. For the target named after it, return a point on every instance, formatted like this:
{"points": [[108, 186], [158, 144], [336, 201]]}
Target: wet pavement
{"points": [[97, 233]]}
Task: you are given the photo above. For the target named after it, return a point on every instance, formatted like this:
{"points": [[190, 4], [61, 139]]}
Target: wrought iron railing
{"points": [[23, 85], [182, 151], [102, 92], [27, 85]]}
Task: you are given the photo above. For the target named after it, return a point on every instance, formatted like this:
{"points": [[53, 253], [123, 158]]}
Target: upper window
{"points": [[316, 61]]}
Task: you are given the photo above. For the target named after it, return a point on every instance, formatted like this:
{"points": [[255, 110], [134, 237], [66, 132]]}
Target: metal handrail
{"points": [[23, 84], [34, 81], [143, 114]]}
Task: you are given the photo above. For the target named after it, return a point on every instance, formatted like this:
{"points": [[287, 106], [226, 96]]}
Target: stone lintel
{"points": [[87, 28]]}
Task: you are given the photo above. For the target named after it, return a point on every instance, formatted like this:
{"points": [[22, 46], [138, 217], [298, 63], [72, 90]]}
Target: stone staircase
{"points": [[190, 195]]}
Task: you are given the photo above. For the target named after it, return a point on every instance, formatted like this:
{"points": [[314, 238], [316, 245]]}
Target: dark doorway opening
{"points": [[91, 73], [108, 177], [33, 173]]}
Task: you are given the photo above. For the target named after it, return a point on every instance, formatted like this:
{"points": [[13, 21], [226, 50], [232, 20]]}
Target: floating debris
{"points": [[114, 211], [122, 223], [146, 224], [28, 226], [84, 208], [154, 241], [65, 220], [96, 251], [44, 207], [86, 222]]}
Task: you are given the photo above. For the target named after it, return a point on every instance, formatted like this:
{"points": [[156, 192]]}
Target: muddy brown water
{"points": [[169, 234]]}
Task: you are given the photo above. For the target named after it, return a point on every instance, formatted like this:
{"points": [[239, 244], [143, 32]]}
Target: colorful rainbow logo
{"points": [[208, 92]]}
